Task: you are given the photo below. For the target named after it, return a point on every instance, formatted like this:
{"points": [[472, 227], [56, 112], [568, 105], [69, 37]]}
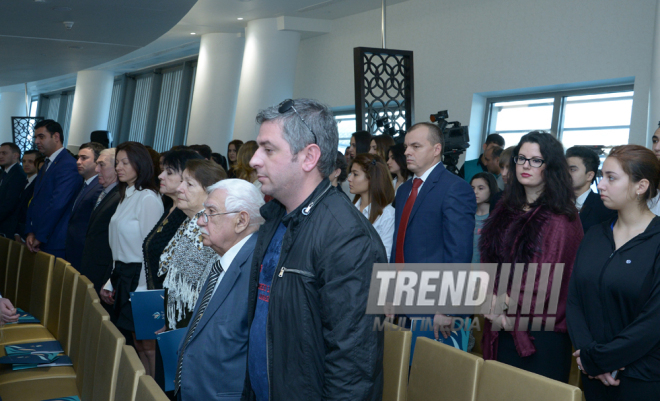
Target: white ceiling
{"points": [[205, 16]]}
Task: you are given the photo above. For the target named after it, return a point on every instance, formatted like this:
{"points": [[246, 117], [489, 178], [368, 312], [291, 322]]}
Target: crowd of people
{"points": [[265, 254]]}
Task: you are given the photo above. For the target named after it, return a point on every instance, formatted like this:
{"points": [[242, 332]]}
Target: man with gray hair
{"points": [[96, 261], [310, 338], [217, 336]]}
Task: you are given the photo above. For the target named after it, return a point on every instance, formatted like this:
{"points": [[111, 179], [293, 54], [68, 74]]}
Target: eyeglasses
{"points": [[206, 216], [534, 162], [287, 105]]}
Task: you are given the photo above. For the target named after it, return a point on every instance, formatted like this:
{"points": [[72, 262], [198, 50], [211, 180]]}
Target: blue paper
{"points": [[60, 361], [458, 339], [28, 359], [24, 317], [40, 347], [169, 343], [148, 313], [72, 398]]}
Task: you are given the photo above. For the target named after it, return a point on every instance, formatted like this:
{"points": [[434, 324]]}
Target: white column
{"points": [[269, 69], [216, 90], [12, 104], [654, 92], [91, 105]]}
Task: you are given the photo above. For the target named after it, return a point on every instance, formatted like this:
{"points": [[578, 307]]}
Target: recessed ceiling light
{"points": [[193, 33], [240, 19], [39, 1]]}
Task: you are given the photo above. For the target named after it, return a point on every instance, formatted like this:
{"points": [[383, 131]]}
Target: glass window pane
{"points": [[511, 139], [346, 128], [606, 137], [528, 115], [607, 110]]}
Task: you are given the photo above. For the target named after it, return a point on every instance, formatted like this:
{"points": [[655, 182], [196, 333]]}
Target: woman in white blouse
{"points": [[370, 181], [139, 210]]}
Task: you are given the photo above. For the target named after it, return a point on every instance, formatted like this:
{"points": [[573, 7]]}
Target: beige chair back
{"points": [[67, 309], [111, 342], [501, 382], [442, 371], [13, 268], [24, 285], [130, 370], [42, 280], [4, 260], [396, 362], [148, 390], [55, 296], [78, 322], [86, 372]]}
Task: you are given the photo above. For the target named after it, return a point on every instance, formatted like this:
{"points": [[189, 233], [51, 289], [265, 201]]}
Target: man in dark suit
{"points": [[12, 182], [54, 193], [96, 259], [217, 336], [84, 203], [434, 220], [30, 168], [583, 165]]}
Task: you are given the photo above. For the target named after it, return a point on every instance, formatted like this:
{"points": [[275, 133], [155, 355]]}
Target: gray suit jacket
{"points": [[215, 361]]}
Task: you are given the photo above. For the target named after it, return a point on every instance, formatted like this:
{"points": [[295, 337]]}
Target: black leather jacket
{"points": [[321, 344]]}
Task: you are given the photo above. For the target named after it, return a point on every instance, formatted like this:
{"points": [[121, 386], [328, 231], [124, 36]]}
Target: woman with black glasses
{"points": [[535, 223]]}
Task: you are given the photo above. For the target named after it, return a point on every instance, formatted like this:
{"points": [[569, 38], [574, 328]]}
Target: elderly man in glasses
{"points": [[213, 353], [310, 338]]}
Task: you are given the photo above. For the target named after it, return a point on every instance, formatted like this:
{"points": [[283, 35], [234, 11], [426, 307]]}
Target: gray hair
{"points": [[319, 118], [108, 152], [241, 196]]}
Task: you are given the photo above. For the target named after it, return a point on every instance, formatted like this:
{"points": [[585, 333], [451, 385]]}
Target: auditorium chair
{"points": [[130, 370], [501, 382], [13, 266], [440, 371], [148, 390], [396, 360], [4, 256]]}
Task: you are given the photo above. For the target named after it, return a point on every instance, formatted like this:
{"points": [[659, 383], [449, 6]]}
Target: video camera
{"points": [[456, 139], [386, 125]]}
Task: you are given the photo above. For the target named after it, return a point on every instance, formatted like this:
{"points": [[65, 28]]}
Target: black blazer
{"points": [[96, 261], [23, 203], [594, 211], [82, 210], [11, 188]]}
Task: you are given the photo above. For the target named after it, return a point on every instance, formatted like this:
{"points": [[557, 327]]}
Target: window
{"points": [[596, 117], [346, 128]]}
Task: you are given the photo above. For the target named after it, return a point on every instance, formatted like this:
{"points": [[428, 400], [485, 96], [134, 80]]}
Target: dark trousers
{"points": [[552, 358], [629, 389]]}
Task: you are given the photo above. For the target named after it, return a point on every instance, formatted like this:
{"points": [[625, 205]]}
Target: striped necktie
{"points": [[98, 201], [210, 287]]}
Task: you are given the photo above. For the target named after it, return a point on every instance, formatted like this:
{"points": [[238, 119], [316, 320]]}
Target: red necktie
{"points": [[403, 224]]}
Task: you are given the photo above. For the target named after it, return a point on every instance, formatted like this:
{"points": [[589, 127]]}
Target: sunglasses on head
{"points": [[287, 105]]}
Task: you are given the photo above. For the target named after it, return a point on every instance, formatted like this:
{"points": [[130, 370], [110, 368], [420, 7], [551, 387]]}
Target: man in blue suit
{"points": [[54, 193], [213, 355], [12, 182], [434, 220], [84, 202]]}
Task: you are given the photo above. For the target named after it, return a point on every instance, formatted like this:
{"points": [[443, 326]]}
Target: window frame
{"points": [[556, 128]]}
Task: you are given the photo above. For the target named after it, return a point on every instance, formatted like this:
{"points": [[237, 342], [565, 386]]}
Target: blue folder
{"points": [[40, 347], [24, 317], [458, 339], [169, 343], [148, 313], [72, 398]]}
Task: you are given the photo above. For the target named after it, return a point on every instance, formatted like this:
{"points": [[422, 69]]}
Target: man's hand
{"points": [[605, 378], [107, 296], [442, 324], [18, 238], [33, 243], [161, 330], [7, 311]]}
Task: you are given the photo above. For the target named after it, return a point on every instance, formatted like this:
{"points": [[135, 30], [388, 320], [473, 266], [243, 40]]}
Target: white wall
{"points": [[467, 47]]}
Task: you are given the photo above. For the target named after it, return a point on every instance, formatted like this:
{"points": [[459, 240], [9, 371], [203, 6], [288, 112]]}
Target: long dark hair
{"points": [[490, 180], [400, 159], [381, 191], [557, 193], [362, 142], [140, 160]]}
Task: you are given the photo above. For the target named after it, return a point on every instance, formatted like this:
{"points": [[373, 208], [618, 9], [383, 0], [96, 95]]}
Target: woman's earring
{"points": [[638, 197]]}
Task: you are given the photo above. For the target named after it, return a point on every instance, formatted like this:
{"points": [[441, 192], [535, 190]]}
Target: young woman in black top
{"points": [[613, 308]]}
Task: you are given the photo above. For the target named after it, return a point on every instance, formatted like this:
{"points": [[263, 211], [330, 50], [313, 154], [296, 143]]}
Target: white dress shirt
{"points": [[30, 179], [384, 225], [579, 202], [53, 157], [135, 217], [425, 176], [654, 204], [9, 168], [227, 259]]}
